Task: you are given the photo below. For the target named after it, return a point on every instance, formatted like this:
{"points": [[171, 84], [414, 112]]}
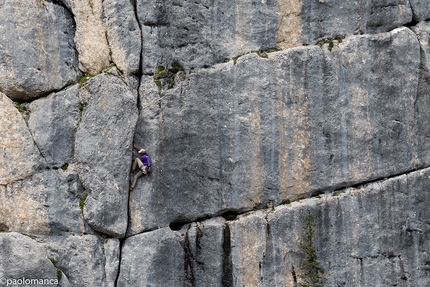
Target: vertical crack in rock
{"points": [[121, 244], [136, 15], [227, 271], [293, 273], [188, 261], [267, 272]]}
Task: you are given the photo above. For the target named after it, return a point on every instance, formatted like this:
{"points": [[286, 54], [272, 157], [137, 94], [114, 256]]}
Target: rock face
{"points": [[123, 34], [52, 123], [86, 260], [254, 113], [20, 157], [103, 152], [37, 53], [371, 235], [317, 120], [200, 33], [90, 37], [22, 258]]}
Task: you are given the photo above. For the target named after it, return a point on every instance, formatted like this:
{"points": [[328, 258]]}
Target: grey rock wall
{"points": [[52, 123], [24, 262], [103, 151], [20, 157], [123, 35], [372, 235], [302, 121], [37, 52], [85, 260], [253, 113], [200, 34]]}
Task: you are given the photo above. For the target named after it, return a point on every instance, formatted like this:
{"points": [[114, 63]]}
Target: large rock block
{"points": [[374, 235], [198, 254], [52, 122], [420, 9], [200, 34], [422, 31], [85, 260], [123, 34], [237, 137], [103, 151], [90, 37], [23, 261], [45, 203], [309, 21], [20, 156], [37, 53], [207, 247], [152, 259]]}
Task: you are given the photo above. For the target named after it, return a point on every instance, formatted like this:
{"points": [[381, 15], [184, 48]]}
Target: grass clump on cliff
{"points": [[83, 80], [285, 201], [82, 201], [22, 107], [311, 271], [330, 42], [167, 76]]}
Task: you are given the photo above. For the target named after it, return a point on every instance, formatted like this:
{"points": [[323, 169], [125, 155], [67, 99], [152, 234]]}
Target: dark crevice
{"points": [[188, 261], [293, 272], [60, 3], [136, 15], [227, 270], [121, 244], [177, 225], [230, 215], [412, 23]]}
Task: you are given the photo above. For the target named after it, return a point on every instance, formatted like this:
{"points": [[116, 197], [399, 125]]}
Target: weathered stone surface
{"points": [[123, 34], [19, 155], [86, 260], [53, 121], [206, 247], [90, 36], [346, 119], [103, 151], [45, 203], [268, 130], [152, 259], [22, 257], [421, 10], [372, 235], [37, 53], [308, 21], [196, 255], [199, 34]]}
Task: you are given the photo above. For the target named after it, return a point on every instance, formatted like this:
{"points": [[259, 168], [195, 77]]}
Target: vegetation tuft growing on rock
{"points": [[311, 271]]}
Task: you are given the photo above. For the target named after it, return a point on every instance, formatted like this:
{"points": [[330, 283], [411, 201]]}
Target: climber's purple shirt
{"points": [[146, 160]]}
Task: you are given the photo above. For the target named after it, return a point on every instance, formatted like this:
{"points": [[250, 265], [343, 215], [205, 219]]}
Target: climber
{"points": [[144, 163]]}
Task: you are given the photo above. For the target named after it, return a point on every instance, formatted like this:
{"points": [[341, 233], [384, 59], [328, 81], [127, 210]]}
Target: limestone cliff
{"points": [[253, 113]]}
